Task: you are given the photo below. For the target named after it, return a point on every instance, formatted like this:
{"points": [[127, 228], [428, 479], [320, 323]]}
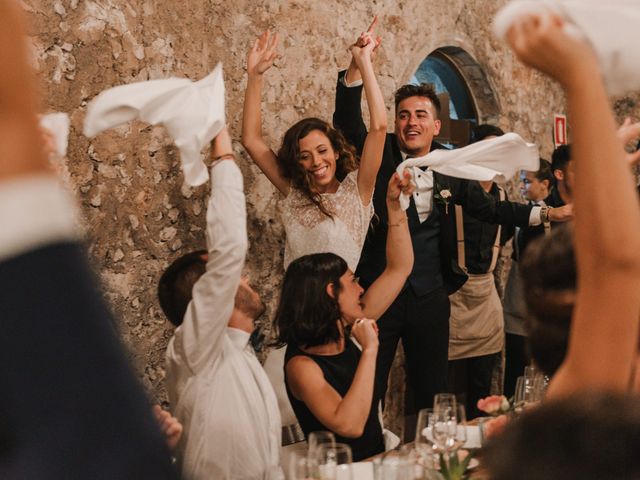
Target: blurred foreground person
{"points": [[583, 437], [71, 407], [603, 340], [217, 387]]}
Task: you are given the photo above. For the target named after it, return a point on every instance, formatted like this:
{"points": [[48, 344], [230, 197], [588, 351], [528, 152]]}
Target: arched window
{"points": [[464, 92]]}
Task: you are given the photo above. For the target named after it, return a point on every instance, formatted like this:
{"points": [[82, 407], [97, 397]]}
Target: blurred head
{"points": [[549, 280], [535, 186], [590, 436], [417, 111], [314, 156], [485, 132], [318, 290], [562, 168], [176, 285]]}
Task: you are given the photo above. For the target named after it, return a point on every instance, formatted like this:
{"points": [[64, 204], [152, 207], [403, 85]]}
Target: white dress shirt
{"points": [[216, 385], [35, 210]]}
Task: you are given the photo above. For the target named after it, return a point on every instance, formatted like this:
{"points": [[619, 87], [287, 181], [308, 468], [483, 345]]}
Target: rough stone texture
{"points": [[138, 216]]}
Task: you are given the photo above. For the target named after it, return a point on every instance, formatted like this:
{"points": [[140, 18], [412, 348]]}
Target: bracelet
{"points": [[400, 222], [224, 156], [544, 214]]}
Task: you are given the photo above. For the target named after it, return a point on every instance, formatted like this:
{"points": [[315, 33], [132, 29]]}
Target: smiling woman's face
{"points": [[318, 158]]}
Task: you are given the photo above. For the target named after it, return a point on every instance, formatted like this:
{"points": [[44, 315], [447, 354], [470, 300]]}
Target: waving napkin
{"points": [[58, 124], [494, 159], [192, 112], [610, 26]]}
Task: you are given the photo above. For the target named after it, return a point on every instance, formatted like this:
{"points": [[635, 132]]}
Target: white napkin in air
{"points": [[192, 113], [496, 159], [611, 27], [58, 124]]}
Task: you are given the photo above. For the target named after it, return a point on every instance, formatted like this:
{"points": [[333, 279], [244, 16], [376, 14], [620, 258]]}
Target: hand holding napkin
{"points": [[609, 26], [192, 112], [494, 159]]}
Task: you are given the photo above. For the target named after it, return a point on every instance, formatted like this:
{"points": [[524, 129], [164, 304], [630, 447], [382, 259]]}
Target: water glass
{"points": [[396, 465], [318, 439], [334, 462], [301, 467]]}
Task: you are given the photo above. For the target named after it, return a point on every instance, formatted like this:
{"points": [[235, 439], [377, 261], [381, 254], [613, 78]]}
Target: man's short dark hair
{"points": [[480, 132], [545, 172], [588, 436], [423, 90], [560, 157], [176, 284]]}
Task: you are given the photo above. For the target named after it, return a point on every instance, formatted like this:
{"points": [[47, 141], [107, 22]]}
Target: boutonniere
{"points": [[444, 196]]}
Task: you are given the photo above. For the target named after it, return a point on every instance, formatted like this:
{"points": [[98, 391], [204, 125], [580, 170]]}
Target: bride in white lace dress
{"points": [[327, 205]]}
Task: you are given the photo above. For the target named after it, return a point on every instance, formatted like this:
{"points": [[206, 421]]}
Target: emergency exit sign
{"points": [[559, 129]]}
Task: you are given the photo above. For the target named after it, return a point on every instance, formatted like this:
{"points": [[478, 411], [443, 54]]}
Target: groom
{"points": [[420, 314]]}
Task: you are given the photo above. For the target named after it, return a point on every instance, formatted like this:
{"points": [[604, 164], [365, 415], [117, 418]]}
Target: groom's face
{"points": [[416, 125]]}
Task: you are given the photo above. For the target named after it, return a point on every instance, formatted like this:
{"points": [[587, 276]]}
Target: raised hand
{"points": [[353, 72], [542, 42], [399, 185], [365, 331], [263, 53]]}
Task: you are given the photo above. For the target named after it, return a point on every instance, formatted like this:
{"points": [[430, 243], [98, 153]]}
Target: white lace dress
{"points": [[310, 231]]}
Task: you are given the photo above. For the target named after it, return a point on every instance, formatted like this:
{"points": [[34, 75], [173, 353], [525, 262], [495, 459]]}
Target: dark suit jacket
{"points": [[71, 407], [476, 202]]}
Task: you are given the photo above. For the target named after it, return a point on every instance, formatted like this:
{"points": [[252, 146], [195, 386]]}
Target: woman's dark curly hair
{"points": [[549, 280], [307, 315], [289, 157]]}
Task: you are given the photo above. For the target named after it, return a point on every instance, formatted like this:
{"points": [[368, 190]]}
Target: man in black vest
{"points": [[420, 314]]}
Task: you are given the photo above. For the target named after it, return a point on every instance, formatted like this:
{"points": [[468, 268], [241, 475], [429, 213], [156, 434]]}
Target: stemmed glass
{"points": [[334, 461], [443, 401], [449, 429], [424, 441]]}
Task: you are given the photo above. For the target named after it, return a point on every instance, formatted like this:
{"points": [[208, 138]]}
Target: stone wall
{"points": [[138, 216]]}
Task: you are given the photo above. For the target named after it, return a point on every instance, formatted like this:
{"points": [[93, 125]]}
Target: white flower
{"points": [[445, 194]]}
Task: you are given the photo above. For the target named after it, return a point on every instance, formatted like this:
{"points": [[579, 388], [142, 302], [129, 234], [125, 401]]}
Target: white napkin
{"points": [[493, 159], [474, 438], [611, 27], [192, 112], [359, 471], [58, 124]]}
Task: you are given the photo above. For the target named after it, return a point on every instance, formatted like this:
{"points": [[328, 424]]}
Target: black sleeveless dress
{"points": [[338, 371]]}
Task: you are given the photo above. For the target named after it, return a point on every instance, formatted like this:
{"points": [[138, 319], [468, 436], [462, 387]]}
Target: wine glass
{"points": [[334, 461], [424, 441], [443, 401]]}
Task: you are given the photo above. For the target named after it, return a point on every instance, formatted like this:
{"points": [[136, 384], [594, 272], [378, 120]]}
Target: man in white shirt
{"points": [[216, 385]]}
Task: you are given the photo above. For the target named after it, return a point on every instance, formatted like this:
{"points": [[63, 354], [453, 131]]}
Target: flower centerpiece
{"points": [[497, 407]]}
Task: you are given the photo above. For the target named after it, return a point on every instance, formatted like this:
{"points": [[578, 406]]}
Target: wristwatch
{"points": [[544, 214]]}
